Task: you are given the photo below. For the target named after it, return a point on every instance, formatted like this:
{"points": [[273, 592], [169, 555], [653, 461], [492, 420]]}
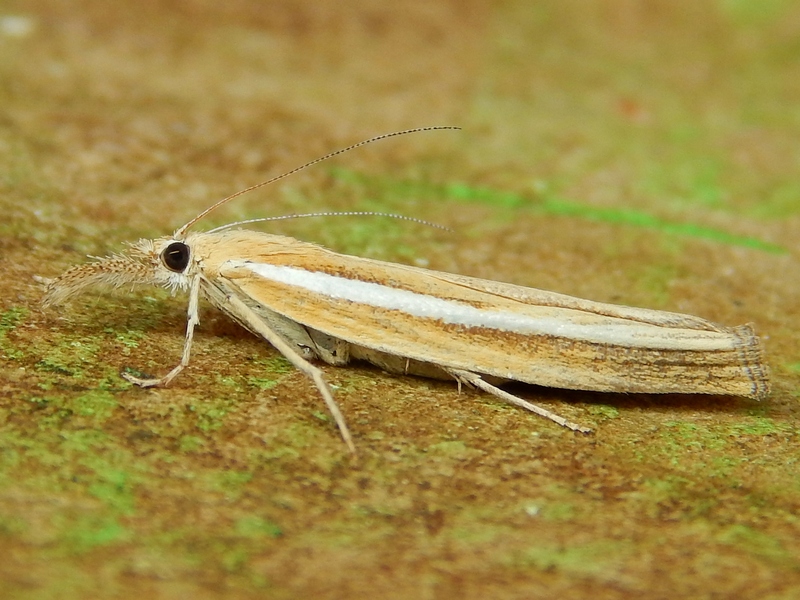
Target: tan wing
{"points": [[581, 344]]}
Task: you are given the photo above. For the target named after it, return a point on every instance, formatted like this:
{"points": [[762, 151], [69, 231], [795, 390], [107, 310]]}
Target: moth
{"points": [[313, 304]]}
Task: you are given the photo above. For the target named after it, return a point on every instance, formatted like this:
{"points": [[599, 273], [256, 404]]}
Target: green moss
{"points": [[99, 404], [558, 511], [262, 383], [274, 369], [670, 494], [474, 528], [679, 438], [190, 443], [595, 559], [234, 559], [112, 487], [232, 481], [761, 426], [759, 544], [640, 219], [603, 410], [9, 321], [68, 356], [129, 339], [91, 531], [453, 448], [256, 527], [209, 417], [464, 192], [13, 526], [549, 203]]}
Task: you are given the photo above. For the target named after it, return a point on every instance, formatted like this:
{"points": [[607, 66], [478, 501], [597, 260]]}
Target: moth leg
{"points": [[254, 323], [477, 381], [193, 319]]}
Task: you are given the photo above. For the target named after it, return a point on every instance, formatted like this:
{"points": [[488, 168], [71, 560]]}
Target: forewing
{"points": [[500, 329]]}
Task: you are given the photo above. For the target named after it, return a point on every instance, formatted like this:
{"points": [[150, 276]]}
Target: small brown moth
{"points": [[313, 304]]}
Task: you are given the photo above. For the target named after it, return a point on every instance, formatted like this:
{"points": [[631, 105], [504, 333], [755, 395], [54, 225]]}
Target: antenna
{"points": [[358, 213], [182, 230]]}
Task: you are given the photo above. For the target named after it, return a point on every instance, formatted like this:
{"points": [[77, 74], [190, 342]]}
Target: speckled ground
{"points": [[639, 153]]}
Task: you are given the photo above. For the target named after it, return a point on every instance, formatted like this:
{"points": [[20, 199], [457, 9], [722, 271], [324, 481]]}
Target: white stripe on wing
{"points": [[612, 331]]}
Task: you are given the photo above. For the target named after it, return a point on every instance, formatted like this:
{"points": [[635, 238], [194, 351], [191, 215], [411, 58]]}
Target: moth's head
{"points": [[163, 262]]}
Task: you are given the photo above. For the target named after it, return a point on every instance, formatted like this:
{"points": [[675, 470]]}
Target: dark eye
{"points": [[176, 256]]}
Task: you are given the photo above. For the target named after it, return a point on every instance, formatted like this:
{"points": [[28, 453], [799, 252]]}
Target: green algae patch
{"points": [[639, 219], [9, 321], [762, 426], [256, 527], [455, 449], [597, 559], [763, 546], [89, 532], [552, 205], [99, 405]]}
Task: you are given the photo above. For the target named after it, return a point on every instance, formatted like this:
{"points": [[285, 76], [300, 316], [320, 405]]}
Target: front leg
{"points": [[192, 320]]}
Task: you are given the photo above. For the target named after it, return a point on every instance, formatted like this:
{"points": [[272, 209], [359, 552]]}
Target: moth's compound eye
{"points": [[176, 256]]}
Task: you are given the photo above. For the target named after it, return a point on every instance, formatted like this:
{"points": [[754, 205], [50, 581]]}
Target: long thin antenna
{"points": [[182, 230], [354, 213]]}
